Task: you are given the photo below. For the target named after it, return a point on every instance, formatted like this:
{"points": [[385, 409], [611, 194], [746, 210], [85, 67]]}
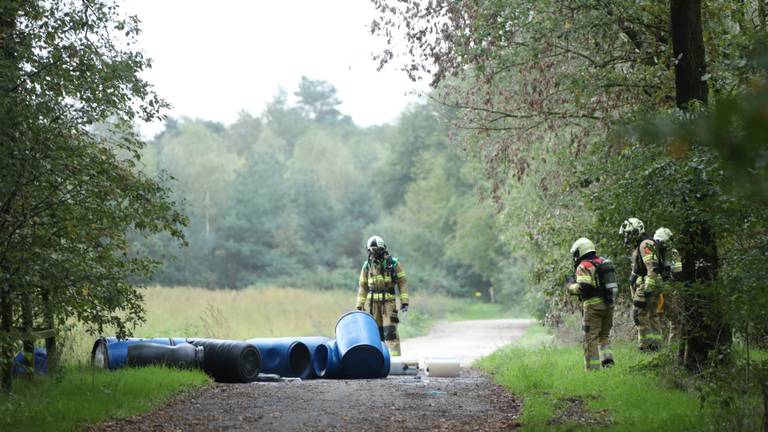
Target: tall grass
{"points": [[270, 312]]}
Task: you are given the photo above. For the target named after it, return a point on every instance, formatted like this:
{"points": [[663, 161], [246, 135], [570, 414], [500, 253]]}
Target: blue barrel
{"points": [[387, 360], [112, 353], [312, 343], [287, 357], [326, 362], [39, 362], [359, 345]]}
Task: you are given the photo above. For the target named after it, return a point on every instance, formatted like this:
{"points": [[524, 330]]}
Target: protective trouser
{"points": [[385, 313], [598, 321], [648, 323]]}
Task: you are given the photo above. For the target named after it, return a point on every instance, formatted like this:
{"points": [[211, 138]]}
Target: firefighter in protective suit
{"points": [[380, 275], [653, 261], [596, 288]]}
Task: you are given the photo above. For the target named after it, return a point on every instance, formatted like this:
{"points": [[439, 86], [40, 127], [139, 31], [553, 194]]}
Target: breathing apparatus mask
{"points": [[377, 250]]}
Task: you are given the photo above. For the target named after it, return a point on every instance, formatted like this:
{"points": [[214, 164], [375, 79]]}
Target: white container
{"points": [[403, 366], [442, 367]]}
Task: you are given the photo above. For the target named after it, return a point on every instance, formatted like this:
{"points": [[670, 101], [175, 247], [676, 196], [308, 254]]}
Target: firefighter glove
{"points": [[359, 308], [404, 307]]}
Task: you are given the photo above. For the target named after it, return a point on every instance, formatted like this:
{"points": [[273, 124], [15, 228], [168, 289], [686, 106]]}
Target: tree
{"points": [[317, 100], [69, 195]]}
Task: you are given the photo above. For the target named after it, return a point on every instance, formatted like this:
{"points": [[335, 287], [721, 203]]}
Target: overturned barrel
{"points": [[325, 361], [387, 361], [359, 346], [312, 343], [112, 353], [287, 357], [185, 356], [229, 360]]}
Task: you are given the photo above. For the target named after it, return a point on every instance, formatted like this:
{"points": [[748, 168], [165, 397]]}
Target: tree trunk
{"points": [[761, 13], [704, 329], [28, 328], [764, 385], [6, 344], [688, 47], [48, 322]]}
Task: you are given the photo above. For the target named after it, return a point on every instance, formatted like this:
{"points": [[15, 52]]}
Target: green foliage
{"points": [[71, 186], [78, 397]]}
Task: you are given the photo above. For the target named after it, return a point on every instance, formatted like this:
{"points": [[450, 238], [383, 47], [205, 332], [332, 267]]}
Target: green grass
{"points": [[630, 398], [81, 396]]}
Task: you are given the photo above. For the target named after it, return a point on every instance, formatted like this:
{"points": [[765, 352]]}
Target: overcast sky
{"points": [[215, 58]]}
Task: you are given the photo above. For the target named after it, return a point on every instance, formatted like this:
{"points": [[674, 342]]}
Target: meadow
{"points": [[269, 312]]}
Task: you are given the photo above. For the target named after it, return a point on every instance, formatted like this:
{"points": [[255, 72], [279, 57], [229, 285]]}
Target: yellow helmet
{"points": [[582, 247]]}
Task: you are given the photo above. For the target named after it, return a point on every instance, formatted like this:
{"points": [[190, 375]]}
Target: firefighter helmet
{"points": [[582, 247], [662, 236], [375, 242], [632, 228]]}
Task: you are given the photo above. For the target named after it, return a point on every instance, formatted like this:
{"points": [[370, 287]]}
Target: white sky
{"points": [[212, 59]]}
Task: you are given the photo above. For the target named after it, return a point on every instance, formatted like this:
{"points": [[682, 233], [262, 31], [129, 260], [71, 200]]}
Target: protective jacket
{"points": [[653, 265], [587, 284], [378, 279]]}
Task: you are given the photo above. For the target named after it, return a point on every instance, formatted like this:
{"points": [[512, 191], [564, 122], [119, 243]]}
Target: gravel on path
{"points": [[398, 403]]}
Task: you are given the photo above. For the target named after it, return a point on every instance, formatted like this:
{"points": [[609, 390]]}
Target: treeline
{"points": [[290, 196]]}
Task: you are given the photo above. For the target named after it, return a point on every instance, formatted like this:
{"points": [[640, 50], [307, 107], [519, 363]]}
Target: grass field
{"points": [[559, 396]]}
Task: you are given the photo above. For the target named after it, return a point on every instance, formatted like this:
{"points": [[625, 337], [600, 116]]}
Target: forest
{"points": [[289, 197]]}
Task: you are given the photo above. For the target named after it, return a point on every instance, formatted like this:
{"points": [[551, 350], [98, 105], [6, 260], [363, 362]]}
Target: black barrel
{"points": [[185, 356], [228, 360]]}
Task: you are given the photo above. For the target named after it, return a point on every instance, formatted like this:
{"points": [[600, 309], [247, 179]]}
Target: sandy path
{"points": [[398, 403], [465, 340]]}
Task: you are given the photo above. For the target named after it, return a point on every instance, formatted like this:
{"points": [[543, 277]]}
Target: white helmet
{"points": [[662, 235], [375, 242], [632, 228], [582, 247]]}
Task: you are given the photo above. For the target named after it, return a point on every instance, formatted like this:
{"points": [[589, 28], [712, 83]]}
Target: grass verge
{"points": [[80, 396], [558, 395]]}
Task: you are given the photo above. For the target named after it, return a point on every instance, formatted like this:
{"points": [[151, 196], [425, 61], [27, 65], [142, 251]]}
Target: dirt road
{"points": [[467, 403]]}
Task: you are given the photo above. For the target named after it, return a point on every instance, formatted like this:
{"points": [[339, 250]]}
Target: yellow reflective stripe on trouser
{"points": [[380, 296], [404, 297], [605, 352], [401, 275], [593, 300]]}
